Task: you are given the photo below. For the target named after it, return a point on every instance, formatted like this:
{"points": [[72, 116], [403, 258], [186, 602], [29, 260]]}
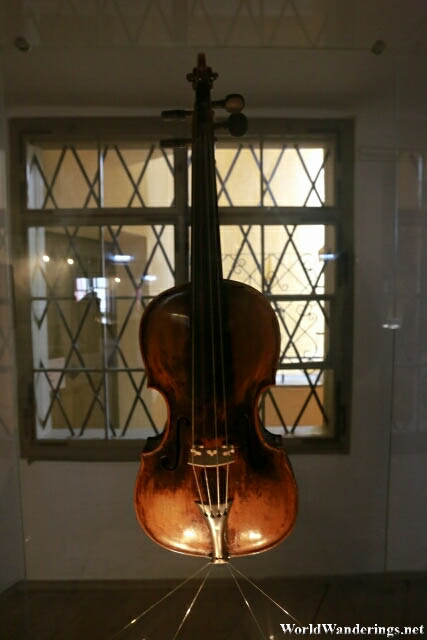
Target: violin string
{"points": [[201, 151], [210, 161], [217, 489], [198, 487], [208, 490], [247, 604], [219, 281], [226, 488], [221, 337], [193, 602], [162, 599], [279, 606], [193, 410], [212, 238], [193, 332]]}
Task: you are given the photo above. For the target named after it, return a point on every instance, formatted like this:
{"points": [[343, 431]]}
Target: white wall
{"points": [[11, 535], [361, 512]]}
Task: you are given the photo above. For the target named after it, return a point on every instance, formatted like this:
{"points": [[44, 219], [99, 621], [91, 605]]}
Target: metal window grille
{"points": [[101, 226]]}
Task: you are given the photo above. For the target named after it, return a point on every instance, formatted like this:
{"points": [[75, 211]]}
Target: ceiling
{"points": [[282, 54]]}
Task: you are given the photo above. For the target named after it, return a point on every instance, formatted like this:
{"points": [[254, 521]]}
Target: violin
{"points": [[214, 483]]}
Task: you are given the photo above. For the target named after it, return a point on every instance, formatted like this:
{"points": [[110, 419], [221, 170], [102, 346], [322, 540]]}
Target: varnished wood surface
{"points": [[261, 483], [96, 610]]}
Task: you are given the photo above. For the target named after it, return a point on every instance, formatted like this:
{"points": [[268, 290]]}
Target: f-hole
{"points": [[166, 462]]}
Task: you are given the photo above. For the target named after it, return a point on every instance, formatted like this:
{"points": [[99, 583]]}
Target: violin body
{"points": [[261, 482]]}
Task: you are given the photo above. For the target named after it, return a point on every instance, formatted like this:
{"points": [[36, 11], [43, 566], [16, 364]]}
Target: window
{"points": [[101, 226]]}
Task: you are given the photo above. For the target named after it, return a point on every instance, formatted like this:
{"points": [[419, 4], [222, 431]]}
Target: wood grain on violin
{"points": [[214, 483]]}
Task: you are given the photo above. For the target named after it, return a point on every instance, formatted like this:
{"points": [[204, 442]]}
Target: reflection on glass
{"points": [[86, 310]]}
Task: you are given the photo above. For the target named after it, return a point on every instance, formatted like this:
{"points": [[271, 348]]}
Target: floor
{"points": [[101, 610]]}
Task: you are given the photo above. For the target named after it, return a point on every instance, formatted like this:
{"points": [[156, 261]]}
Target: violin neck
{"points": [[205, 240], [206, 269]]}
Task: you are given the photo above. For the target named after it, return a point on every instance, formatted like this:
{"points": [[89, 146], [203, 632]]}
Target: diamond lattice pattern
{"points": [[89, 287], [292, 267], [90, 284], [114, 175], [286, 175]]}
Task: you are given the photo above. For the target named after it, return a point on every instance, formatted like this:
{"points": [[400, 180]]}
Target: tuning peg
{"points": [[233, 103], [173, 143], [236, 123], [176, 114]]}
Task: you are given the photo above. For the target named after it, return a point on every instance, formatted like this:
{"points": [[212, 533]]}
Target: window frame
{"points": [[339, 215]]}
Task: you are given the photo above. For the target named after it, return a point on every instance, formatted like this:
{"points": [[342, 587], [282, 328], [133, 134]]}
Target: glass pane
{"points": [[70, 404], [300, 403], [150, 250], [89, 286], [273, 174], [241, 254], [136, 412], [304, 330], [299, 259], [294, 176], [280, 259], [138, 176], [67, 296], [67, 333], [63, 176], [238, 176], [83, 176]]}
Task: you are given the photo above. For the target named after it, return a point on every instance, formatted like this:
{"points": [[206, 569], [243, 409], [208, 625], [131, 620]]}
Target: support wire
{"points": [[279, 606], [233, 572], [192, 603], [254, 618], [162, 599]]}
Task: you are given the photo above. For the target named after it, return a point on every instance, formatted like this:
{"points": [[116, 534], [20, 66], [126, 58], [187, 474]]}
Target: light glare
{"points": [[254, 535], [122, 258], [189, 533]]}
